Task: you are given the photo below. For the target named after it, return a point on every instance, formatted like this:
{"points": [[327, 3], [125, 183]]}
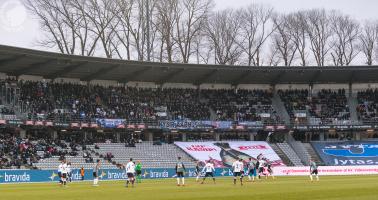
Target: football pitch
{"points": [[282, 188]]}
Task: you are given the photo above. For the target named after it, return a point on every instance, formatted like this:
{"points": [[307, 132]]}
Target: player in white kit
{"points": [[209, 171], [238, 168], [130, 171]]}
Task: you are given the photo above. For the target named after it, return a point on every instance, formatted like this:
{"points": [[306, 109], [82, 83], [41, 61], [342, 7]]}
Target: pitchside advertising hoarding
{"points": [[35, 176], [348, 153], [223, 154]]}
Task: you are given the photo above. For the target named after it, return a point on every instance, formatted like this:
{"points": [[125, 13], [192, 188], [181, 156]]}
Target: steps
{"points": [[353, 103], [314, 156], [290, 153], [301, 151], [279, 107], [282, 155]]}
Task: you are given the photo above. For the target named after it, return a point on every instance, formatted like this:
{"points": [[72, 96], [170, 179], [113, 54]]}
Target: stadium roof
{"points": [[19, 61]]}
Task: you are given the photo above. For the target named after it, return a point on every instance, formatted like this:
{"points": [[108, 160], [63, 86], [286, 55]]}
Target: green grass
{"points": [[329, 187]]}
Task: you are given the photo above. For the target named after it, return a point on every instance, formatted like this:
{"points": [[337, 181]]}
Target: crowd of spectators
{"points": [[16, 152], [241, 105], [327, 105], [65, 101], [367, 108]]}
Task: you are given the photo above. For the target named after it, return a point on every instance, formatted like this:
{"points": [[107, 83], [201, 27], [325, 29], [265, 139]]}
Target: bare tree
{"points": [[345, 39], [52, 23], [318, 28], [191, 16], [102, 19], [368, 39], [255, 30], [222, 29], [134, 28], [282, 39], [166, 20], [296, 23]]}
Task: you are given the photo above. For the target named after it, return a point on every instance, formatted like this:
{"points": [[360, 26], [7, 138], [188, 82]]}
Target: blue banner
{"points": [[111, 123], [348, 153], [34, 176], [190, 125]]}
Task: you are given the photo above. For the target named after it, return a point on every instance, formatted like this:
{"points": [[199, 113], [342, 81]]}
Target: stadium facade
{"points": [[282, 105]]}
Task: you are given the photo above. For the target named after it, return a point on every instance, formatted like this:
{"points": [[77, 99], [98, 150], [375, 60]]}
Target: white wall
{"points": [[31, 78], [179, 85], [364, 86], [67, 80], [254, 86], [292, 87], [141, 84], [3, 76], [318, 87], [215, 86], [105, 83]]}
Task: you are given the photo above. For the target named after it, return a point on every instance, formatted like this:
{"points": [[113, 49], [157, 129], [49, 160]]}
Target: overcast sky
{"points": [[19, 28]]}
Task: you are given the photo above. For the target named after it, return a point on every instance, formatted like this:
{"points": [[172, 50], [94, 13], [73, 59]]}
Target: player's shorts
{"points": [[236, 174], [60, 174], [209, 174], [64, 175], [315, 171], [130, 175], [252, 172], [198, 173], [270, 170], [261, 169], [180, 174], [138, 172], [95, 174]]}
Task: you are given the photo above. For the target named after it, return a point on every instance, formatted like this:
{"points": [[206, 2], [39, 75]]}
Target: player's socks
{"points": [[178, 181], [234, 181], [214, 180], [183, 181], [311, 177], [317, 177], [249, 178]]}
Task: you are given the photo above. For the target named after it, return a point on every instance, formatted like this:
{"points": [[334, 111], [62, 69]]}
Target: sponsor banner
{"points": [[223, 154], [48, 123], [326, 170], [33, 176], [110, 123], [39, 123], [15, 122], [338, 127], [178, 124], [203, 151], [222, 124], [348, 152], [189, 125], [257, 148], [265, 115], [62, 124]]}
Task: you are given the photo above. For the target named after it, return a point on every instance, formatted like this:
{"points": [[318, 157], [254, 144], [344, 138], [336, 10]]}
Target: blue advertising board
{"points": [[35, 176], [110, 123], [348, 153]]}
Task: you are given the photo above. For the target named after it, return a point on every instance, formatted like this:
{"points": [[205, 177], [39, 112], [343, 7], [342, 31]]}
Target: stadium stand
{"points": [[150, 155], [368, 105], [69, 94]]}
